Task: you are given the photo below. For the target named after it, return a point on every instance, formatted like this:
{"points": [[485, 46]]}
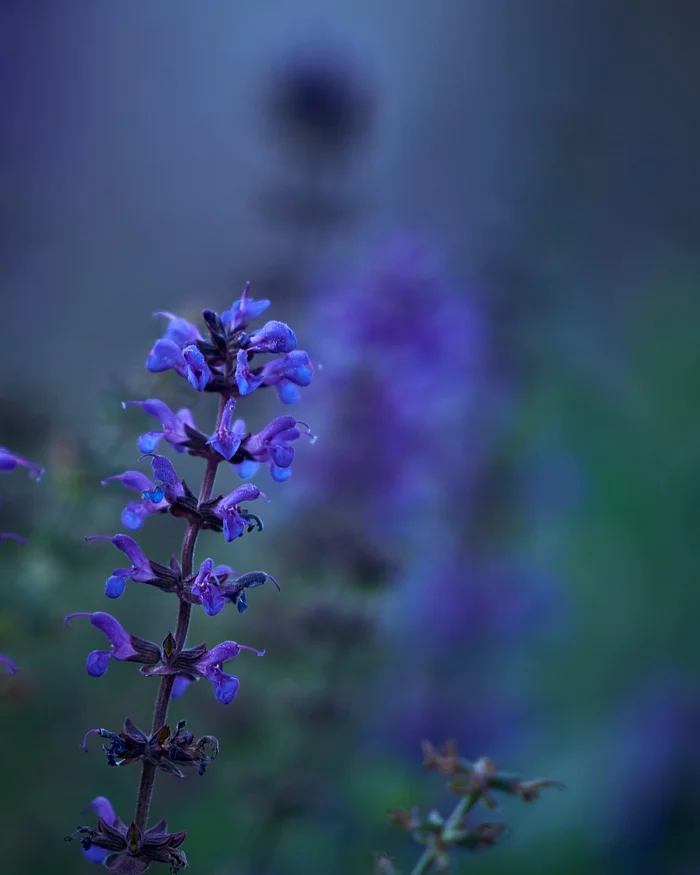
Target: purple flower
{"points": [[179, 331], [167, 352], [198, 662], [125, 647], [272, 337], [213, 589], [141, 570], [104, 810], [153, 498], [179, 686], [243, 311], [207, 586], [9, 461], [271, 445], [227, 439], [285, 373], [13, 537], [174, 429], [196, 368], [164, 471], [11, 667], [234, 519]]}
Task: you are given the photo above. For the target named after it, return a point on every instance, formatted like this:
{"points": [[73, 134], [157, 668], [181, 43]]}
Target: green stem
{"points": [[461, 809]]}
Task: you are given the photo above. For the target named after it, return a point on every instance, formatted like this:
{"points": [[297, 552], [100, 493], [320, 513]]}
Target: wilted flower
{"points": [[165, 749], [127, 850]]}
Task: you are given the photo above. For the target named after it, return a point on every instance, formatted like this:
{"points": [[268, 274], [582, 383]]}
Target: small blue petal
{"points": [[115, 586], [149, 441], [95, 854], [132, 516], [287, 392], [155, 495], [246, 468], [97, 662], [225, 687], [179, 687], [280, 474], [242, 603]]}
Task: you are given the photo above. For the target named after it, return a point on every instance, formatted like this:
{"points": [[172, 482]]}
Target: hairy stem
{"points": [[160, 711], [427, 858]]}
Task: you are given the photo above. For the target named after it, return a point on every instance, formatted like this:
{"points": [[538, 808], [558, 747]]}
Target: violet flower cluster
{"points": [[8, 462], [226, 363]]}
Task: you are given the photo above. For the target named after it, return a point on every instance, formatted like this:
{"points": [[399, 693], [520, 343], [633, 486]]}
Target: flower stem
{"points": [[160, 711], [461, 809]]}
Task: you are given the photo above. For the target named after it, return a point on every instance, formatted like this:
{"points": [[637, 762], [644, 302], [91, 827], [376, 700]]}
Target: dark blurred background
{"points": [[481, 218]]}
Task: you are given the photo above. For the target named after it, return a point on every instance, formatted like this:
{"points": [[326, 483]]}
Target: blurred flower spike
{"points": [[8, 462]]}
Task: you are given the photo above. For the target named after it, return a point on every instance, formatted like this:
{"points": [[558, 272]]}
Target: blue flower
{"points": [[198, 662], [140, 571], [213, 588], [9, 461], [11, 667], [153, 498], [271, 445], [13, 537], [272, 337], [243, 311], [104, 811], [227, 439], [175, 425], [124, 647], [228, 510], [196, 368]]}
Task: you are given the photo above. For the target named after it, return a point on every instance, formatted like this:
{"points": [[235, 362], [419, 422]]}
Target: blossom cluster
{"points": [[8, 462], [225, 363]]}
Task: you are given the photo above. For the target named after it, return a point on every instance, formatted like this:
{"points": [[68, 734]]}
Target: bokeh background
{"points": [[481, 218]]}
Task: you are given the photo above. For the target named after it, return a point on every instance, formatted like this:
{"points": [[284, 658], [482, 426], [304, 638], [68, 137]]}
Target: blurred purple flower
{"points": [[404, 358], [11, 667], [104, 811], [9, 461]]}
